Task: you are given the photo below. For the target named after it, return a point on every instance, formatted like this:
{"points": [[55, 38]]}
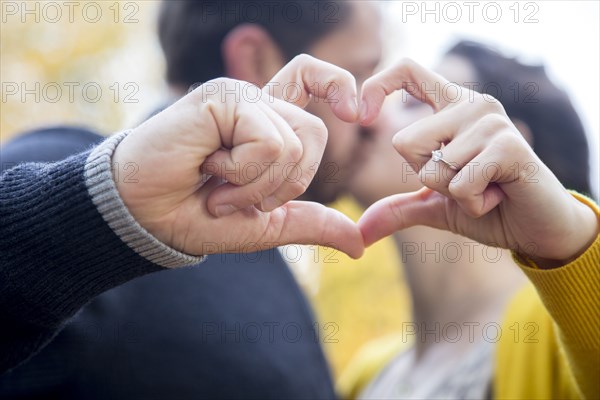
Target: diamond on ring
{"points": [[438, 156]]}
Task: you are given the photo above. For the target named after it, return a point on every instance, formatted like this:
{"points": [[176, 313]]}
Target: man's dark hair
{"points": [[191, 32], [527, 93]]}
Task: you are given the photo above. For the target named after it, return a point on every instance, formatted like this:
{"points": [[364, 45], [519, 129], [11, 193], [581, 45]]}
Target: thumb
{"points": [[400, 211], [312, 223]]}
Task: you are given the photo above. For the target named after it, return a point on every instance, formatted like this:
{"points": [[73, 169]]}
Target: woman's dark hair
{"points": [[528, 94], [191, 32]]}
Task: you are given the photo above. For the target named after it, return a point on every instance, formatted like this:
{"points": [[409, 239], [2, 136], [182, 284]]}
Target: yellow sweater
{"points": [[550, 343]]}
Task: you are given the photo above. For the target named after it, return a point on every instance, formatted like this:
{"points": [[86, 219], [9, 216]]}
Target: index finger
{"points": [[306, 76], [418, 81]]}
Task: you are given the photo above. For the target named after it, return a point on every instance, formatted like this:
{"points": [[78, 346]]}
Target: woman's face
{"points": [[385, 172]]}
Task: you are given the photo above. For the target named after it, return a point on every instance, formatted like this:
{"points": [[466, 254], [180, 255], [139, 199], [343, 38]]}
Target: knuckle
{"points": [[493, 120], [406, 63], [490, 124], [297, 188], [491, 100], [346, 76], [401, 141], [479, 102], [222, 82], [217, 81], [266, 188], [430, 177], [395, 209], [489, 104], [459, 191], [510, 145], [254, 197], [304, 181], [316, 128], [273, 147], [368, 84], [294, 150], [302, 59], [472, 209]]}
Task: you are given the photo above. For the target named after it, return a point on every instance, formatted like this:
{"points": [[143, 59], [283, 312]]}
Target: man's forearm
{"points": [[65, 238]]}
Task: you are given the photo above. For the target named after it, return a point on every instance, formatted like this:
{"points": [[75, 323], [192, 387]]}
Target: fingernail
{"points": [[270, 203], [225, 210], [364, 109], [353, 106]]}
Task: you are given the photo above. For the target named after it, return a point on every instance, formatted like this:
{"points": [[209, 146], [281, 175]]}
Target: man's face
{"points": [[355, 46]]}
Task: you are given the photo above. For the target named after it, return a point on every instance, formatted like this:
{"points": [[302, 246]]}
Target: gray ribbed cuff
{"points": [[103, 191]]}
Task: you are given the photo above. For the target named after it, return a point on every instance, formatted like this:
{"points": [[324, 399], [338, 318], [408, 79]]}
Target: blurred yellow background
{"points": [[95, 64], [366, 298], [99, 65]]}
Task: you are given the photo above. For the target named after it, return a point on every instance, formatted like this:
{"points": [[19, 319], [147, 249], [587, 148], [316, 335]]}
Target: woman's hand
{"points": [[489, 186], [216, 171]]}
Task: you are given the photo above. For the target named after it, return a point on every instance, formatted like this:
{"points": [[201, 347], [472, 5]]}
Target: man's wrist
{"points": [[102, 188]]}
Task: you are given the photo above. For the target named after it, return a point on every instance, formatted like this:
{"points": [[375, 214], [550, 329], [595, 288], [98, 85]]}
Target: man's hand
{"points": [[217, 170], [494, 189]]}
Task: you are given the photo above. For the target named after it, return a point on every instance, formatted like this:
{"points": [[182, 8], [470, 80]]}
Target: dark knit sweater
{"points": [[66, 237]]}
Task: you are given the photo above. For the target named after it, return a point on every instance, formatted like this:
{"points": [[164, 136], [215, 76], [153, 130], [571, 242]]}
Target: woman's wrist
{"points": [[585, 227]]}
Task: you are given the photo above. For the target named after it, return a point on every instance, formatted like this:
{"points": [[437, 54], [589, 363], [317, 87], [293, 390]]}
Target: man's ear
{"points": [[250, 54]]}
